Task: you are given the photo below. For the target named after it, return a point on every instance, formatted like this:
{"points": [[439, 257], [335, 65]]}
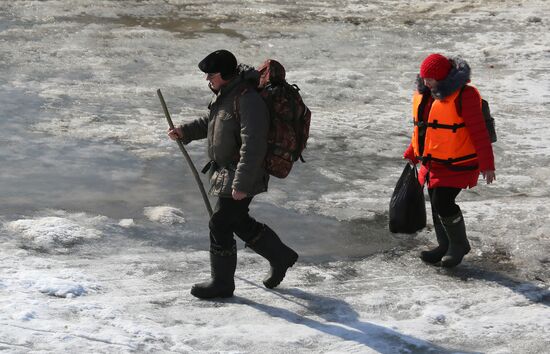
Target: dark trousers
{"points": [[443, 203], [231, 217]]}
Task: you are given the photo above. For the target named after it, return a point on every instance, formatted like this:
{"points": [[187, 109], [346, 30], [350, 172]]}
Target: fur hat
{"points": [[221, 61], [435, 66]]}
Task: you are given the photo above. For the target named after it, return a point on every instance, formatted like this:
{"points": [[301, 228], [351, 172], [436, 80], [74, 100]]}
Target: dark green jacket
{"points": [[236, 145]]}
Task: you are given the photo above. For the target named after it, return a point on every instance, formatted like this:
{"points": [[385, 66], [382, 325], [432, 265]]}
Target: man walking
{"points": [[237, 145]]}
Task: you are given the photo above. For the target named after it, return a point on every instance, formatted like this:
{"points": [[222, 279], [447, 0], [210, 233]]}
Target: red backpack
{"points": [[289, 119]]}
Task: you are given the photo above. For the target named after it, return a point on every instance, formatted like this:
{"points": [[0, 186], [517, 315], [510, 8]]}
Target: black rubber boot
{"points": [[434, 255], [222, 268], [281, 257], [458, 242]]}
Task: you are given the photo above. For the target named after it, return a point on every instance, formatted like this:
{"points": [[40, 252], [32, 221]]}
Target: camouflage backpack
{"points": [[289, 119]]}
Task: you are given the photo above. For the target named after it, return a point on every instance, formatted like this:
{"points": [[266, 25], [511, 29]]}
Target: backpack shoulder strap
{"points": [[458, 101], [236, 102]]}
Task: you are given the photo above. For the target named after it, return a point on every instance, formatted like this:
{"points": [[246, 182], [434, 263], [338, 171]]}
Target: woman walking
{"points": [[451, 141]]}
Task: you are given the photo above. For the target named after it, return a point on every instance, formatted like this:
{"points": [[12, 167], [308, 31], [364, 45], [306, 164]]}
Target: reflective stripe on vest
{"points": [[447, 139]]}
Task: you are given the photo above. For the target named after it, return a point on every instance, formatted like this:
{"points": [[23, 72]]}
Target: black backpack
{"points": [[489, 120]]}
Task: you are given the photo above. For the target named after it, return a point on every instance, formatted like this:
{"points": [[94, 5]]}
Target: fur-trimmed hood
{"points": [[457, 77]]}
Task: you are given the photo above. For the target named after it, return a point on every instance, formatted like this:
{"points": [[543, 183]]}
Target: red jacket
{"points": [[439, 174]]}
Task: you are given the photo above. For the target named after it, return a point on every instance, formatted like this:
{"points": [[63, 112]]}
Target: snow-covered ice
{"points": [[103, 229], [164, 214], [50, 232]]}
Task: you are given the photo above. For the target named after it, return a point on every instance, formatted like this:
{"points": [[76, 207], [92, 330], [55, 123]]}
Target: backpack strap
{"points": [[297, 121], [236, 103], [458, 101], [236, 108]]}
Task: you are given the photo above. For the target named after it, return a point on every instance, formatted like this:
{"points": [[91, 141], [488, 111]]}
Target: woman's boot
{"points": [[458, 242], [281, 257], [434, 255], [222, 268]]}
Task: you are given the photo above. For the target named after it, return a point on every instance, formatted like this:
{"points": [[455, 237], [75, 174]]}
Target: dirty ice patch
{"points": [[344, 206], [52, 233], [164, 214]]}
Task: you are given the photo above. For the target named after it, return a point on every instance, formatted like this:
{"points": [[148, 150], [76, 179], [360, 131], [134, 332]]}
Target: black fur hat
{"points": [[221, 61]]}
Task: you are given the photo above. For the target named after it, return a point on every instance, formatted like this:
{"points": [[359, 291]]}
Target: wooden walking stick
{"points": [[186, 155]]}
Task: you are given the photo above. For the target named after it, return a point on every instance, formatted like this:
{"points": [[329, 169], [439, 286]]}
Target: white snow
{"points": [[126, 222], [60, 288], [164, 214], [103, 230], [51, 232]]}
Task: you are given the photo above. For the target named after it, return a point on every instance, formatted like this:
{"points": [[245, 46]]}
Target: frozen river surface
{"points": [[103, 230]]}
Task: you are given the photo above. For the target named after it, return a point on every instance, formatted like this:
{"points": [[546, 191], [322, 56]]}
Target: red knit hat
{"points": [[435, 66]]}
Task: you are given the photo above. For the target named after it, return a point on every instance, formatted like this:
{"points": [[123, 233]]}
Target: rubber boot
{"points": [[434, 255], [281, 257], [222, 268], [458, 242]]}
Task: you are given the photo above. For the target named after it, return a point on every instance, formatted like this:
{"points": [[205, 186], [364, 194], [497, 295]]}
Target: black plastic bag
{"points": [[407, 204]]}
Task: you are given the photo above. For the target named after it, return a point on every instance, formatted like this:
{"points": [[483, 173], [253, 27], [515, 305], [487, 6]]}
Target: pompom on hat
{"points": [[221, 61], [435, 66]]}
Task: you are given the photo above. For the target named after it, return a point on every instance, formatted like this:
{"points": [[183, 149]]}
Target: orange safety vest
{"points": [[446, 139]]}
